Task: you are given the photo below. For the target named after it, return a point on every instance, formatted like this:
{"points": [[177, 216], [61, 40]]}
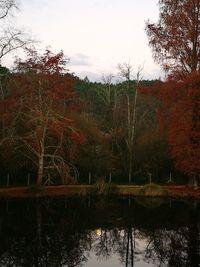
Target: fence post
{"points": [[8, 179], [150, 175], [28, 181], [170, 178], [110, 177], [89, 178]]}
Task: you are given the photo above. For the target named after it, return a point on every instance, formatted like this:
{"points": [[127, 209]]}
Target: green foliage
{"points": [[94, 155], [153, 155], [4, 70]]}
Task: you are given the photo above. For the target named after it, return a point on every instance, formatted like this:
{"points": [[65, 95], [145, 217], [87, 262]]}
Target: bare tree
{"points": [[10, 37], [6, 7], [107, 80], [125, 71]]}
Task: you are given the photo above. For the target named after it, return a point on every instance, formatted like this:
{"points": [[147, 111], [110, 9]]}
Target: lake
{"points": [[100, 232]]}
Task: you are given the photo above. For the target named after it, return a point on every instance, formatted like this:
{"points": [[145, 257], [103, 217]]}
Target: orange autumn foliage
{"points": [[179, 114], [44, 111], [174, 39]]}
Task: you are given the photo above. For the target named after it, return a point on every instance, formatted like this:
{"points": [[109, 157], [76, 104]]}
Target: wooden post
{"points": [[170, 177], [150, 175], [8, 179], [110, 177], [89, 178], [28, 181], [129, 177]]}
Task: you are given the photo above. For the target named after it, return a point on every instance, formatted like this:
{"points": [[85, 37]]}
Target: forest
{"points": [[56, 128]]}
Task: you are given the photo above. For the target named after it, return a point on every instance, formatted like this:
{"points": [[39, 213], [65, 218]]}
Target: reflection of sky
{"points": [[95, 34], [114, 259], [94, 262], [113, 262]]}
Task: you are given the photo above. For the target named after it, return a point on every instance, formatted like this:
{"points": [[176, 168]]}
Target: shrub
{"points": [[103, 188], [152, 190]]}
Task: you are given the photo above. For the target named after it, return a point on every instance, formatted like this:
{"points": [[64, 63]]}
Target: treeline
{"points": [[61, 129]]}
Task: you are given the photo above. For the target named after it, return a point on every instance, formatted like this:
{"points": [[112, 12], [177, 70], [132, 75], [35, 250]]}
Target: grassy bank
{"points": [[68, 190], [81, 190]]}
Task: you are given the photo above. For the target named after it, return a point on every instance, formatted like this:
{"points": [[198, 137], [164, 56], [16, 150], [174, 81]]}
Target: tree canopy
{"points": [[175, 38]]}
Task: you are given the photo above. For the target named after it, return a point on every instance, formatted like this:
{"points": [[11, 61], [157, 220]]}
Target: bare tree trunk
{"points": [[129, 139], [131, 120], [125, 72]]}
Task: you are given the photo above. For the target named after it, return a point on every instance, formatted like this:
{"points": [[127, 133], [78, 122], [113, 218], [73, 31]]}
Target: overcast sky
{"points": [[95, 34]]}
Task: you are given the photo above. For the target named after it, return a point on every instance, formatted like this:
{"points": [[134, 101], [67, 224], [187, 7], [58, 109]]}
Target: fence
{"points": [[27, 179]]}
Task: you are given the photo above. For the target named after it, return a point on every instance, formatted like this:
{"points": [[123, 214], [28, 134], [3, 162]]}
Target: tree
{"points": [[11, 38], [6, 128], [125, 71], [175, 38], [175, 41], [180, 114], [94, 156], [6, 6], [44, 125], [108, 95]]}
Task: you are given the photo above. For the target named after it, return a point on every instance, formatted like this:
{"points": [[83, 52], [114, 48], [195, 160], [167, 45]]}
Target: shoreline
{"points": [[173, 191]]}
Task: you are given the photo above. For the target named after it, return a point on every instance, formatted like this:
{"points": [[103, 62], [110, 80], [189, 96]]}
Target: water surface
{"points": [[99, 232]]}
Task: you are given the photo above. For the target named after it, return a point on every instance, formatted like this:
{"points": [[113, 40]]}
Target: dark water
{"points": [[99, 232]]}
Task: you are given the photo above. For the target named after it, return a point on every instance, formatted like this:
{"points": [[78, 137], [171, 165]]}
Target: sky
{"points": [[96, 35]]}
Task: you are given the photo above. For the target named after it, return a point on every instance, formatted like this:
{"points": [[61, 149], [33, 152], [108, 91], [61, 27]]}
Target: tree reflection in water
{"points": [[51, 233]]}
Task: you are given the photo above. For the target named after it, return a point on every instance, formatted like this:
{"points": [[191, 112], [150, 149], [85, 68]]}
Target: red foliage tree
{"points": [[174, 39], [180, 115], [45, 114]]}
